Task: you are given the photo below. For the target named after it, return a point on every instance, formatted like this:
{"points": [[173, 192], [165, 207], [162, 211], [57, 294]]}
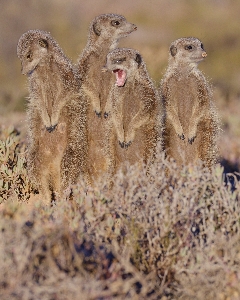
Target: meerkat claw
{"points": [[127, 144], [182, 137], [191, 140], [122, 144], [51, 128], [98, 114]]}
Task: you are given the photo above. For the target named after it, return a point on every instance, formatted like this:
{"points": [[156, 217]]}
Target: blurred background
{"points": [[215, 22]]}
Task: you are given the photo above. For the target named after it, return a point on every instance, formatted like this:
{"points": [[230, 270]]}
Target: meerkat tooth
{"points": [[135, 113]]}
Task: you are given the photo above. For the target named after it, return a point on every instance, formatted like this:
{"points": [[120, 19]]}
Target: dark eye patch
{"points": [[43, 43], [202, 46], [189, 47], [115, 23], [119, 60]]}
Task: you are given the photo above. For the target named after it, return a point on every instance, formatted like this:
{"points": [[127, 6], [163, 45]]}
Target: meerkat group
{"points": [[88, 119]]}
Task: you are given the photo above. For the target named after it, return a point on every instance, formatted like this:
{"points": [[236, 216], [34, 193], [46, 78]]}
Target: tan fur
{"points": [[133, 111], [104, 33], [191, 125], [56, 115]]}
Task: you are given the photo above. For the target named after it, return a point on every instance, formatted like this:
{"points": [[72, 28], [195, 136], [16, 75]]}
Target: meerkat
{"points": [[104, 34], [133, 111], [57, 151], [191, 123]]}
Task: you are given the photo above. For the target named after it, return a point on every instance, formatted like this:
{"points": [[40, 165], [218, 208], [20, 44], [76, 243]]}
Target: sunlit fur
{"points": [[133, 112], [104, 33], [56, 115], [191, 124]]}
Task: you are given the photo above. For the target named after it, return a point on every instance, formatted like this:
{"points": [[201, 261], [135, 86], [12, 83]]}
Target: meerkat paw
{"points": [[181, 136], [99, 114], [128, 144], [191, 140], [51, 128], [192, 135], [125, 145], [122, 144], [129, 137], [106, 115]]}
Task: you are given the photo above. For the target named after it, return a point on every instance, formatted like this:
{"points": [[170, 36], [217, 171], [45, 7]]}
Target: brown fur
{"points": [[56, 115], [133, 111], [191, 125], [103, 36]]}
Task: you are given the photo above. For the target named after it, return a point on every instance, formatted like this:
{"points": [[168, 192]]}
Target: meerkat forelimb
{"points": [[104, 33], [187, 99], [132, 109], [54, 109]]}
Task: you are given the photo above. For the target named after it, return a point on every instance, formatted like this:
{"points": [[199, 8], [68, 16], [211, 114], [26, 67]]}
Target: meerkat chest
{"points": [[183, 95], [96, 79], [127, 102], [48, 85]]}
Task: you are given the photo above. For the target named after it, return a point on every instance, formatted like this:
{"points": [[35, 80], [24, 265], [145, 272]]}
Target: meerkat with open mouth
{"points": [[133, 111]]}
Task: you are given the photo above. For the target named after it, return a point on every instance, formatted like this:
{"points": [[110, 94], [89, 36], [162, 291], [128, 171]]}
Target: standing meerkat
{"points": [[191, 124], [133, 110], [104, 33], [56, 115]]}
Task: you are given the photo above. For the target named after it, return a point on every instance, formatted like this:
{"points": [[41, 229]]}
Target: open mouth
{"points": [[121, 76]]}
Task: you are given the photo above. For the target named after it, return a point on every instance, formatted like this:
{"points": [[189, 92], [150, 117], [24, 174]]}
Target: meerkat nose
{"points": [[204, 54]]}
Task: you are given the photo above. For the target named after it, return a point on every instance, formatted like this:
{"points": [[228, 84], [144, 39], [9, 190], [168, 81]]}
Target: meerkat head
{"points": [[187, 51], [124, 63], [111, 27], [32, 49]]}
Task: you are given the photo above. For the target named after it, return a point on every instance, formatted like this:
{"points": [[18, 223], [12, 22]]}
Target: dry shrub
{"points": [[13, 175], [165, 223], [154, 236]]}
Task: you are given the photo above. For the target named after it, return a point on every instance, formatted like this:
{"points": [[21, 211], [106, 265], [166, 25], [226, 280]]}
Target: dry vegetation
{"points": [[154, 237], [151, 237]]}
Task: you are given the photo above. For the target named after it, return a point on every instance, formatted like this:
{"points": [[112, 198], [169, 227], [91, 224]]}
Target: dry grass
{"points": [[150, 237]]}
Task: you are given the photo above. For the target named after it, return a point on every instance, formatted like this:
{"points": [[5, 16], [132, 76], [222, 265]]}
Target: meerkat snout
{"points": [[135, 27]]}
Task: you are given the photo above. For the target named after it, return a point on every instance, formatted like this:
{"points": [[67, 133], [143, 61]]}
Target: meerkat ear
{"points": [[43, 43], [138, 59], [173, 50], [96, 29]]}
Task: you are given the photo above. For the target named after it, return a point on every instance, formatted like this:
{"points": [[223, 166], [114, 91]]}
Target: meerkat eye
{"points": [[188, 47], [43, 43], [115, 23], [29, 56], [119, 60], [202, 46]]}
